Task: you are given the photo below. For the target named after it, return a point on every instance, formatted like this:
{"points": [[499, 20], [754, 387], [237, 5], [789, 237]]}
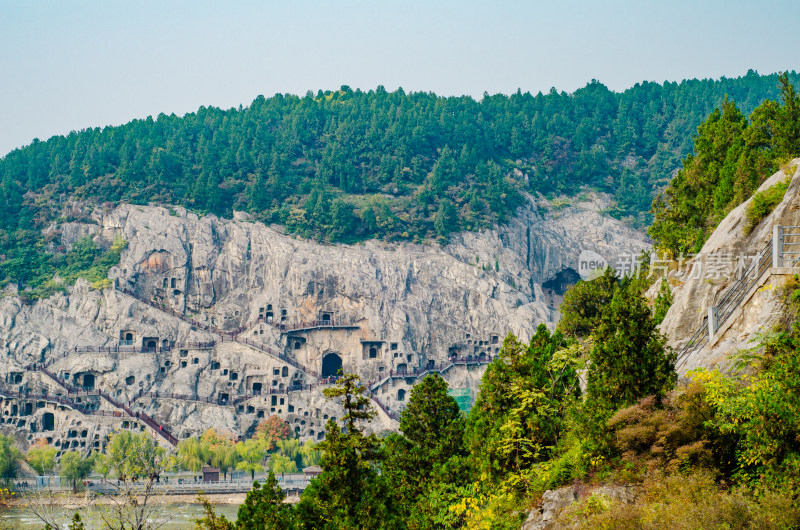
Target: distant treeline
{"points": [[351, 165]]}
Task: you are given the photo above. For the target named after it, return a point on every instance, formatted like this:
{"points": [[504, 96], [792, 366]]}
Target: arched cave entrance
{"points": [[331, 364], [48, 421], [562, 281]]}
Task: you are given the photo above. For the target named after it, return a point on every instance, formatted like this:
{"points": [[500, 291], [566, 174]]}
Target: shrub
{"points": [[673, 438], [763, 204], [694, 501]]}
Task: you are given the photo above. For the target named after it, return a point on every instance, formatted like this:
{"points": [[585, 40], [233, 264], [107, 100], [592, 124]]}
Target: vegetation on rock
{"points": [[732, 156], [350, 165]]}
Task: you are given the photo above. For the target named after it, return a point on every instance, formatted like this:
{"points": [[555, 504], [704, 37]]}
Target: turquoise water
{"points": [[180, 517]]}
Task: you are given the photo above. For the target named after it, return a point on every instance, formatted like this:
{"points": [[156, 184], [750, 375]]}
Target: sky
{"points": [[67, 65]]}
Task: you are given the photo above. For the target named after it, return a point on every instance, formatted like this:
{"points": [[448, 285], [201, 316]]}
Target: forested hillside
{"points": [[733, 155], [350, 165]]}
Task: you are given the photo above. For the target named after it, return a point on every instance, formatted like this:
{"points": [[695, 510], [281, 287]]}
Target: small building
{"points": [[312, 471], [210, 474]]}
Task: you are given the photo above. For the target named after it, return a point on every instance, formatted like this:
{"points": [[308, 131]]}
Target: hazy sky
{"points": [[68, 65]]}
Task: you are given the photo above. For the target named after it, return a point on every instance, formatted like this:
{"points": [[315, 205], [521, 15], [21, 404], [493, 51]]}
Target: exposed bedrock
{"points": [[199, 302]]}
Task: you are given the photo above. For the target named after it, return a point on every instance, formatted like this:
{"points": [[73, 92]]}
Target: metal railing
{"points": [[790, 248], [782, 250], [733, 296], [729, 301]]}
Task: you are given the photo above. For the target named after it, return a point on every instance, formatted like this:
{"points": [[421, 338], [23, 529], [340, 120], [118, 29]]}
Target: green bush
{"points": [[689, 502], [85, 260], [763, 204]]}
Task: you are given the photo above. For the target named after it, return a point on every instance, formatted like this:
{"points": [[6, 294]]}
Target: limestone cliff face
{"points": [[218, 307], [707, 276]]}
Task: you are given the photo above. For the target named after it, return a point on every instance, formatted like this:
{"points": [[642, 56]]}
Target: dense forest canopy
{"points": [[350, 165]]}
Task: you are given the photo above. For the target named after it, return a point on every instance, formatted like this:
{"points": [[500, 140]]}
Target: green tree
{"points": [[430, 447], [310, 454], [628, 359], [191, 454], [218, 449], [280, 463], [663, 302], [264, 509], [225, 457], [77, 523], [349, 492], [42, 458], [131, 455], [580, 311], [446, 220], [137, 461], [75, 467], [10, 455], [251, 455]]}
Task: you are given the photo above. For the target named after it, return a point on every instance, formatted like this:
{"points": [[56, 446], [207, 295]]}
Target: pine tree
{"points": [[628, 359], [264, 509], [430, 445], [348, 493]]}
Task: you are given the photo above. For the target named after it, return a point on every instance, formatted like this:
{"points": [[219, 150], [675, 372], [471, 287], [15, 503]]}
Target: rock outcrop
{"points": [[219, 323], [705, 278], [548, 513]]}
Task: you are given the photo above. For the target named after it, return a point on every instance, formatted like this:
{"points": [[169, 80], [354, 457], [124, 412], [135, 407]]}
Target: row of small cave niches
{"points": [[267, 314], [254, 387], [22, 414], [79, 437], [476, 347]]}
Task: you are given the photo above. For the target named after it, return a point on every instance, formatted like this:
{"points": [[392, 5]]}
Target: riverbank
{"points": [[76, 501], [178, 516]]}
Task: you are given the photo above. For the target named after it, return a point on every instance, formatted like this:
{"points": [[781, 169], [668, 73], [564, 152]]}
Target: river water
{"points": [[182, 516]]}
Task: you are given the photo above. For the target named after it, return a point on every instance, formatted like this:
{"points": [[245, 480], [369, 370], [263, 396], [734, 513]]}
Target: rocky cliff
{"points": [[723, 264], [219, 323]]}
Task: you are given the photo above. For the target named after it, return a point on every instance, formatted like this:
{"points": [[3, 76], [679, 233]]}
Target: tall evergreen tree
{"points": [[264, 508], [629, 359], [349, 492], [430, 446]]}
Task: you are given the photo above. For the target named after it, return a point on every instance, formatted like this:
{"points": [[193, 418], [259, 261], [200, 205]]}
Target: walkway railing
{"points": [[782, 250], [274, 353], [206, 345], [314, 324], [147, 420], [46, 397], [435, 368], [790, 243]]}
